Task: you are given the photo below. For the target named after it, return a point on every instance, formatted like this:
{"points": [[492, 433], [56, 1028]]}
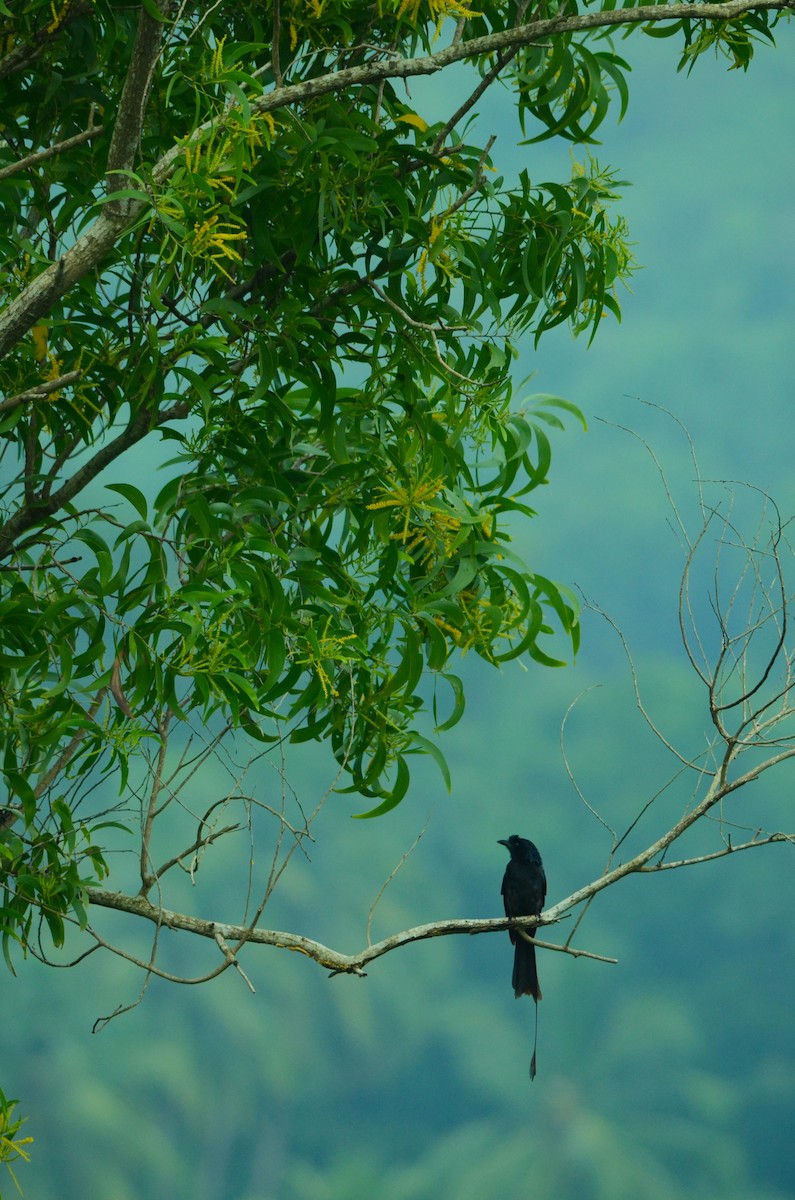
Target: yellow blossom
{"points": [[58, 17], [437, 10], [216, 235], [217, 64]]}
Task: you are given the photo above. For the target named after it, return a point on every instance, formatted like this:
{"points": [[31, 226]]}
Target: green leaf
{"points": [[459, 702], [393, 797], [133, 494], [422, 745]]}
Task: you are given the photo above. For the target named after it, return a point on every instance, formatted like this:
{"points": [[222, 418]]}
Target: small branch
{"points": [[277, 33], [32, 460], [720, 787], [501, 62], [764, 675], [568, 768], [636, 688], [39, 391], [730, 849], [141, 424], [148, 877], [402, 312], [69, 750], [199, 844], [151, 970], [232, 960], [474, 187], [390, 877], [571, 951], [33, 160]]}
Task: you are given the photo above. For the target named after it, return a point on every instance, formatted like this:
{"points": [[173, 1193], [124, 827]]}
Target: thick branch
{"points": [[331, 959], [507, 39], [134, 97], [336, 962], [47, 288]]}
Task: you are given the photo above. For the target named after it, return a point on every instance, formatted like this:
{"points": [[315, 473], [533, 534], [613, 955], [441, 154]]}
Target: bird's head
{"points": [[520, 849]]}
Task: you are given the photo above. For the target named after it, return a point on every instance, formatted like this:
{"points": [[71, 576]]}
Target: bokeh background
{"points": [[670, 1075]]}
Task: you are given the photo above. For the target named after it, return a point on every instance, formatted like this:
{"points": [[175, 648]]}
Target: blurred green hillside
{"points": [[670, 1076]]}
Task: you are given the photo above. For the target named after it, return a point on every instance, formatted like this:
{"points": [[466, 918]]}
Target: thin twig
{"points": [[232, 959], [275, 55], [389, 879]]}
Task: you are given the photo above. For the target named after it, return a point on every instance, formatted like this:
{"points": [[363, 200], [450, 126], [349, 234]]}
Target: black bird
{"points": [[524, 889]]}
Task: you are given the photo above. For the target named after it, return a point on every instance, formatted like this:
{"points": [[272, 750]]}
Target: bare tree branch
{"points": [[333, 960], [504, 40], [730, 849]]}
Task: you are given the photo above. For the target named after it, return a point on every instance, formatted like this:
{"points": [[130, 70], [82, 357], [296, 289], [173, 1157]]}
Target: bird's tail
{"points": [[525, 976]]}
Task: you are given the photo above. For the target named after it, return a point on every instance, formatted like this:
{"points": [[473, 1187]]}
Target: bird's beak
{"points": [[503, 842]]}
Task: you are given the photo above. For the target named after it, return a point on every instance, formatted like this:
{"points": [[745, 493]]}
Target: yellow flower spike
{"points": [[422, 266], [443, 262], [327, 649], [53, 371], [455, 634], [437, 10], [211, 240], [325, 682], [58, 17], [330, 646], [217, 63], [414, 496]]}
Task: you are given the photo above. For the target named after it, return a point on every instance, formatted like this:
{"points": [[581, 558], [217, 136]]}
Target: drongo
{"points": [[524, 890]]}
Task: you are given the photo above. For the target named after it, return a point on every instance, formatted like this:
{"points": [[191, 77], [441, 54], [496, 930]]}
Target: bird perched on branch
{"points": [[524, 889]]}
